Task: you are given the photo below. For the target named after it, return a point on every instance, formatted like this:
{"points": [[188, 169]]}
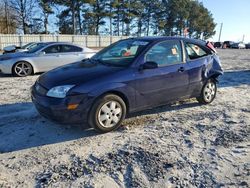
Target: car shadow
{"points": [[234, 78], [21, 127], [189, 103], [14, 76], [5, 75]]}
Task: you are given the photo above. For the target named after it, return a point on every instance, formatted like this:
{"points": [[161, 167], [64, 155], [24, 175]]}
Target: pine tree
{"points": [[46, 8]]}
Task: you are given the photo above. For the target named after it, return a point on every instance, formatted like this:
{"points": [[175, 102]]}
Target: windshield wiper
{"points": [[89, 60], [100, 62]]}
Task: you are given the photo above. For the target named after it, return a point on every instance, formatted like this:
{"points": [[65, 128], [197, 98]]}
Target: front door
{"points": [[167, 82]]}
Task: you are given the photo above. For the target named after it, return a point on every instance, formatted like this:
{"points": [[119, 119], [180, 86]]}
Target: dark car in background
{"points": [[238, 45], [102, 90], [227, 44], [218, 44]]}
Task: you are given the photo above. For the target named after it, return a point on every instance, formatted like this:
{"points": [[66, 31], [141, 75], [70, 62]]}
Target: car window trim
{"points": [[180, 41]]}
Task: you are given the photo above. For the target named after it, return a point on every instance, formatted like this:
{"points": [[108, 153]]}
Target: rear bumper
{"points": [[56, 109]]}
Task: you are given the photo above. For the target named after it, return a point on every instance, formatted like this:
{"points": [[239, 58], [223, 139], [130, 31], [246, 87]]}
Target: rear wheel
{"points": [[208, 92], [22, 69], [107, 113]]}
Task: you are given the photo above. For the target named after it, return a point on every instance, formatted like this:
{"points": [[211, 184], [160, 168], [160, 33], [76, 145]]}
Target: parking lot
{"points": [[182, 144]]}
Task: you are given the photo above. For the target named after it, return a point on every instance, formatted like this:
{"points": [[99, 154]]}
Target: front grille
{"points": [[40, 89]]}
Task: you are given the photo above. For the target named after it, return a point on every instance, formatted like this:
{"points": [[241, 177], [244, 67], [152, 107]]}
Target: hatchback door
{"points": [[167, 82]]}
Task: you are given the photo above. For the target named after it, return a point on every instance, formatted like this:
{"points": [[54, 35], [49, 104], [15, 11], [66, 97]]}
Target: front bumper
{"points": [[56, 109], [6, 67]]}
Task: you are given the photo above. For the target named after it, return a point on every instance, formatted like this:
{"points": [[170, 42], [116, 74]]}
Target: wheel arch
{"points": [[214, 77], [119, 94]]}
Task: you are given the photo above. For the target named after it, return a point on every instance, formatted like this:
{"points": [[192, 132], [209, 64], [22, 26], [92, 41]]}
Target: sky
{"points": [[235, 16]]}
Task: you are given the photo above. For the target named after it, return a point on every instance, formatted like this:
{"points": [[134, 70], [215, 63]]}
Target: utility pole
{"points": [[221, 25]]}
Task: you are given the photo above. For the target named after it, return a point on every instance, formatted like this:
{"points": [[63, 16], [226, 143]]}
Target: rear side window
{"points": [[70, 48], [165, 53], [52, 49], [194, 51]]}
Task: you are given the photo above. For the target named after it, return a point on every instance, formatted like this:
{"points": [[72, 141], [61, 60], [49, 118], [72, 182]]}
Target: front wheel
{"points": [[107, 113], [22, 69], [208, 92]]}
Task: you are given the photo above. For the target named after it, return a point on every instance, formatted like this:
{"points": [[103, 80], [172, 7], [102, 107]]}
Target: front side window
{"points": [[37, 48], [165, 53], [27, 45], [121, 53], [194, 51]]}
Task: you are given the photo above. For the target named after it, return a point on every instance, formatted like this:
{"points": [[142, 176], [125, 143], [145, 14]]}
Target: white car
{"points": [[238, 45], [43, 57]]}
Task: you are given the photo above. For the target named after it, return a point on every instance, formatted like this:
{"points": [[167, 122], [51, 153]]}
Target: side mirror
{"points": [[149, 65]]}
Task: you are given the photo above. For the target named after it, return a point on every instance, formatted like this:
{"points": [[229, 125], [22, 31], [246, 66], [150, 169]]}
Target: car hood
{"points": [[75, 74]]}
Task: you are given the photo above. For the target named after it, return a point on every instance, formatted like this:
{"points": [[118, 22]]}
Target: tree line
{"points": [[109, 17]]}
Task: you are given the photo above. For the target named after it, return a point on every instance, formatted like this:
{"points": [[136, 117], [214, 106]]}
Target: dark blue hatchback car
{"points": [[129, 75]]}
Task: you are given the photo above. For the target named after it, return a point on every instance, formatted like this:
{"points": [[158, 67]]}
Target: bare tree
{"points": [[7, 19], [46, 7], [24, 11]]}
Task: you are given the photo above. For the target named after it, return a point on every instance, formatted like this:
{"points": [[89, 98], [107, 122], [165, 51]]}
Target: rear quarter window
{"points": [[70, 48], [195, 51]]}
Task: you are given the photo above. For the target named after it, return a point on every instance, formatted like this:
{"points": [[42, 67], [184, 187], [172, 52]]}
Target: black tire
{"points": [[208, 92], [103, 115], [22, 69]]}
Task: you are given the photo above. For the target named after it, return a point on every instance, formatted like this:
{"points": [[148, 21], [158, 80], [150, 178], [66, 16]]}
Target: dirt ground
{"points": [[184, 144]]}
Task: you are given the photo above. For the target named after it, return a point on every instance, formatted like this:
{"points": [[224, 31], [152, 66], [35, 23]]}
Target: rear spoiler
{"points": [[211, 47]]}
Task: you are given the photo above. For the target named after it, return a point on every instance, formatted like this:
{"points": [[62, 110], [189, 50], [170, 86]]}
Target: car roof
{"points": [[162, 38], [60, 43]]}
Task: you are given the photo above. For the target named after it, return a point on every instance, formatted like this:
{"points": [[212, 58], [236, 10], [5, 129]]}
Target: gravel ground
{"points": [[183, 144]]}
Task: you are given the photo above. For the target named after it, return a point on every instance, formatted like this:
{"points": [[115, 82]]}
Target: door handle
{"points": [[181, 69]]}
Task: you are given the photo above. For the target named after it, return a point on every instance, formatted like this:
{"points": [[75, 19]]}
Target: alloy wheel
{"points": [[209, 91], [23, 69], [110, 114]]}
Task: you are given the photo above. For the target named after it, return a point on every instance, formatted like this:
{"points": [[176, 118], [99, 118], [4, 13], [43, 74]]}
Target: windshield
{"points": [[37, 48], [121, 53], [27, 45]]}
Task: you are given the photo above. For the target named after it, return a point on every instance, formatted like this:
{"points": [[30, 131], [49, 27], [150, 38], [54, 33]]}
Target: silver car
{"points": [[14, 48], [42, 58]]}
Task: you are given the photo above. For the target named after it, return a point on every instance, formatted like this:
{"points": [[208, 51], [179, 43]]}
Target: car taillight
{"points": [[211, 47]]}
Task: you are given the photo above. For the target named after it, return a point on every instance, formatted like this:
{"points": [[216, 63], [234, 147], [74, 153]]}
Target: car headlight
{"points": [[59, 91], [5, 58]]}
